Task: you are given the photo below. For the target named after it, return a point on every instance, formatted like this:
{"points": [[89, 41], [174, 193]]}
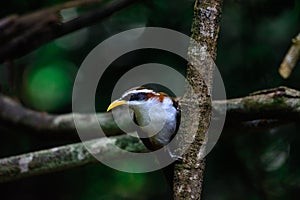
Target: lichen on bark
{"points": [[188, 175]]}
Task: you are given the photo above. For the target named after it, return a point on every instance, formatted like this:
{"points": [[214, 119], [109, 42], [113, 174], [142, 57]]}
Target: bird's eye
{"points": [[138, 97]]}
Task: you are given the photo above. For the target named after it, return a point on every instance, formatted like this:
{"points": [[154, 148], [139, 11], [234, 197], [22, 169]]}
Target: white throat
{"points": [[155, 117]]}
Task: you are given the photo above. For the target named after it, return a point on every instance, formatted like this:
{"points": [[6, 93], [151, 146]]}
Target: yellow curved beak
{"points": [[116, 104]]}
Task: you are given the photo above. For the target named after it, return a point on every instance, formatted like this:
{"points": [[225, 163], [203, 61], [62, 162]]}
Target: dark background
{"points": [[245, 164]]}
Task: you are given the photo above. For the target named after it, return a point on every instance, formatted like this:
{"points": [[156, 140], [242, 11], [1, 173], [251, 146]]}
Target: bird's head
{"points": [[138, 97], [143, 100]]}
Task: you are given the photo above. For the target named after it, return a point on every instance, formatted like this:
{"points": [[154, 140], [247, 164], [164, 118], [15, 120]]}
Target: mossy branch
{"points": [[279, 103], [64, 157]]}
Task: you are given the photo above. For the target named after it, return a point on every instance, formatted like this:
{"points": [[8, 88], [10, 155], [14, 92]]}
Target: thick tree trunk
{"points": [[188, 175]]}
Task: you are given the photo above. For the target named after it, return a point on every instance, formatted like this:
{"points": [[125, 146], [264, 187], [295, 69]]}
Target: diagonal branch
{"points": [[291, 58], [20, 35]]}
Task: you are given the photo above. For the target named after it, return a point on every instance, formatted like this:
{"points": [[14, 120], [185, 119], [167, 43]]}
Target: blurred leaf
{"points": [[49, 87]]}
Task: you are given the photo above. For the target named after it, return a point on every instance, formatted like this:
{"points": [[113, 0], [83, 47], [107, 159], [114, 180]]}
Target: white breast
{"points": [[156, 118]]}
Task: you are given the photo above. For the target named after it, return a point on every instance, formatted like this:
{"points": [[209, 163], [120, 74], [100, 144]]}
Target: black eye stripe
{"points": [[138, 96]]}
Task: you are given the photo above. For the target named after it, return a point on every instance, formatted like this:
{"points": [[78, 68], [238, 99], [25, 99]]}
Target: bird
{"points": [[158, 118], [150, 110]]}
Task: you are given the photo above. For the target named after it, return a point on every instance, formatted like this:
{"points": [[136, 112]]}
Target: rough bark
{"points": [[279, 103], [188, 175], [64, 157]]}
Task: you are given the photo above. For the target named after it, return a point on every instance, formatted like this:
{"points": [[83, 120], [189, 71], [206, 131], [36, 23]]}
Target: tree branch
{"points": [[261, 107], [277, 103], [64, 157], [20, 35], [12, 113]]}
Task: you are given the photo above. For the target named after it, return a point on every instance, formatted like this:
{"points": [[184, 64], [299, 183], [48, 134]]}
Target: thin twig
{"points": [[291, 58]]}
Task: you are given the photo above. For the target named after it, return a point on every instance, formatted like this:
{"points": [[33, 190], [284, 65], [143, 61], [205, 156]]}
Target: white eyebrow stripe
{"points": [[138, 91]]}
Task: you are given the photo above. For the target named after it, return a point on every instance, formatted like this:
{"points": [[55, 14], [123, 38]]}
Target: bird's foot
{"points": [[176, 158]]}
